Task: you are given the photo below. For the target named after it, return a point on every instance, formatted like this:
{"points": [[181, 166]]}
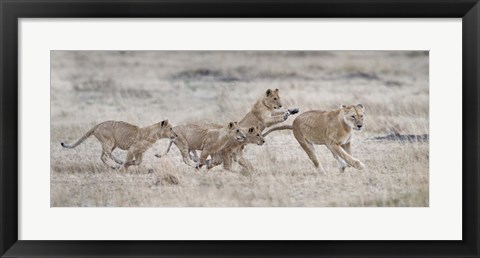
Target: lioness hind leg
{"points": [[309, 149]]}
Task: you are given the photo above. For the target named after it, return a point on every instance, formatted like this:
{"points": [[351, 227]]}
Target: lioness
{"points": [[118, 134], [253, 135], [207, 138], [333, 128]]}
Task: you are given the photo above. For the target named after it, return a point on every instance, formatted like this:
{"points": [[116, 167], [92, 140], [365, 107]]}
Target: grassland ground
{"points": [[144, 87]]}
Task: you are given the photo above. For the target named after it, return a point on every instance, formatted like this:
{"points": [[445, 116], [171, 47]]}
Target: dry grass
{"points": [[145, 87]]}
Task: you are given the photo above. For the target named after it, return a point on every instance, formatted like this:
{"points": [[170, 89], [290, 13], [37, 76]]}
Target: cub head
{"points": [[254, 135], [353, 116], [166, 130], [235, 132], [272, 99]]}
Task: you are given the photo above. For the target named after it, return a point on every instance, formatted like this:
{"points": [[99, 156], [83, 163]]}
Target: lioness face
{"points": [[353, 116], [166, 130], [272, 99], [235, 131], [254, 135]]}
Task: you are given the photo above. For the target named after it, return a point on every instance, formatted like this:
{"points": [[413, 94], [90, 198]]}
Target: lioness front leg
{"points": [[336, 149], [342, 164]]}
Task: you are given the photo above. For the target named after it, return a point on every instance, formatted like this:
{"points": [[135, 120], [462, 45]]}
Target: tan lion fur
{"points": [[125, 136], [334, 128], [209, 138], [233, 150], [265, 111]]}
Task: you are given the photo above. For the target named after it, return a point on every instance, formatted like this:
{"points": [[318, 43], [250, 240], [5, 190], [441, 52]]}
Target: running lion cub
{"points": [[125, 136], [209, 138]]}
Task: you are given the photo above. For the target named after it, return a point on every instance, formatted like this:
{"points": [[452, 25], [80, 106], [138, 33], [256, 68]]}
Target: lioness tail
{"points": [[84, 137], [283, 127]]}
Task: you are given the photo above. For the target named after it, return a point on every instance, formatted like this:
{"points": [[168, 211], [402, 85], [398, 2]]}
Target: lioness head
{"points": [[272, 99], [166, 130], [353, 116], [235, 132], [254, 135]]}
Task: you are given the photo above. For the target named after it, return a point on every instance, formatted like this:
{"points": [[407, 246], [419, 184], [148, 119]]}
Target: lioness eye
{"points": [[353, 117], [258, 134], [274, 98], [238, 130]]}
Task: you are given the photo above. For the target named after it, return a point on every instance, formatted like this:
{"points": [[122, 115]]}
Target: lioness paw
{"points": [[293, 111]]}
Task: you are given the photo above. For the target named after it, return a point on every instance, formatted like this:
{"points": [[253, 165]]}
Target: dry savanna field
{"points": [[145, 87]]}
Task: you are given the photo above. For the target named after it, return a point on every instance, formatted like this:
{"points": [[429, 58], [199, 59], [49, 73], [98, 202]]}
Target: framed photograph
{"points": [[226, 128]]}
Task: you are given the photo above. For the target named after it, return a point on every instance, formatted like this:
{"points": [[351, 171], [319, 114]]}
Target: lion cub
{"points": [[207, 138], [334, 128], [265, 111], [125, 136], [231, 151]]}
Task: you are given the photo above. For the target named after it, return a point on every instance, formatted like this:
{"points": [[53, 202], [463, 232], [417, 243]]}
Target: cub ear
{"points": [[164, 123], [231, 125], [342, 106], [269, 92], [276, 90], [259, 124], [250, 130], [360, 106]]}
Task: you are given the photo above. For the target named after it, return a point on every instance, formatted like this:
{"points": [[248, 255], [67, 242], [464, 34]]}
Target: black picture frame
{"points": [[12, 10]]}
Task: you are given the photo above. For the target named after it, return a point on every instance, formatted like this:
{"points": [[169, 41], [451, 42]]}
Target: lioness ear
{"points": [[269, 92], [250, 130], [164, 122], [342, 106], [360, 106]]}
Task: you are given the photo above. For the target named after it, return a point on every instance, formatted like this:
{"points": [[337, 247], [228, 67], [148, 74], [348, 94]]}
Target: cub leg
{"points": [[193, 155], [216, 160], [203, 158], [227, 161], [114, 158], [345, 156], [138, 159], [245, 163], [106, 153], [269, 121], [183, 148], [129, 160]]}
